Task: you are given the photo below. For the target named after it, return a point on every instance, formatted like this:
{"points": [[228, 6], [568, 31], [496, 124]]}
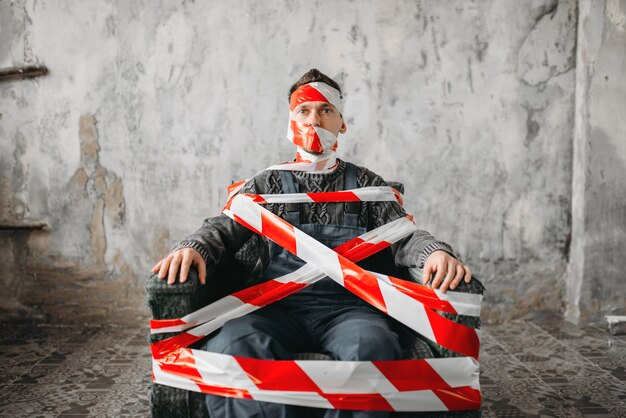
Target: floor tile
{"points": [[543, 369], [503, 367], [490, 346], [613, 363], [28, 400], [593, 392], [523, 396]]}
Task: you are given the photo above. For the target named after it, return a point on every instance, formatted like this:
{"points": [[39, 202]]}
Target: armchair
{"points": [[177, 300]]}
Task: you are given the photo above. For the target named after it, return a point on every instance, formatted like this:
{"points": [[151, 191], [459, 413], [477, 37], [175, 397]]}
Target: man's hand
{"points": [[449, 271], [182, 259]]}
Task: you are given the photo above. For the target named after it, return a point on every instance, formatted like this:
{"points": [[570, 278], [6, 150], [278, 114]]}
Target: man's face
{"points": [[320, 114]]}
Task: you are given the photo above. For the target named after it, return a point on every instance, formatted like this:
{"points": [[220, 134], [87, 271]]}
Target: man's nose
{"points": [[314, 119]]}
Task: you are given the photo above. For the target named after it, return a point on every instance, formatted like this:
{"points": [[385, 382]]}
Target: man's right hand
{"points": [[182, 259]]}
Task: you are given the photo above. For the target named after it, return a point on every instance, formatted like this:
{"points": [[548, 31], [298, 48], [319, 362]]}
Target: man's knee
{"points": [[235, 336], [249, 336], [366, 343]]}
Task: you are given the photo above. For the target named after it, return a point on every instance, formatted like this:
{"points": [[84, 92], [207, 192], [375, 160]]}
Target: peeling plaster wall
{"points": [[595, 285], [151, 109]]}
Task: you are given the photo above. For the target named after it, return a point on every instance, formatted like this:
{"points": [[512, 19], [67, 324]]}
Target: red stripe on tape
{"points": [[398, 196], [256, 198], [182, 363], [354, 243], [456, 337], [228, 204], [279, 231], [408, 375], [342, 196], [277, 375], [361, 401], [357, 249], [459, 399], [267, 292], [362, 284], [422, 294], [165, 323], [306, 137], [306, 93], [163, 348], [222, 391], [235, 187]]}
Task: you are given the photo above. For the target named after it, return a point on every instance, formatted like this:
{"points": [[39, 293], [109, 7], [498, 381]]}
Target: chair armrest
{"points": [[167, 301], [475, 286], [156, 286], [397, 185], [174, 301]]}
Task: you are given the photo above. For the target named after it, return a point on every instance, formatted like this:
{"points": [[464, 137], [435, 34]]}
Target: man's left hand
{"points": [[448, 271]]}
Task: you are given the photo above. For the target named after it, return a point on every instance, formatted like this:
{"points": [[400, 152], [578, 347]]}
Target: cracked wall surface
{"points": [[595, 284], [149, 112]]}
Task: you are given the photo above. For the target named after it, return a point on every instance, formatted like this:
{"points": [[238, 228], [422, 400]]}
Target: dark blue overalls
{"points": [[324, 318]]}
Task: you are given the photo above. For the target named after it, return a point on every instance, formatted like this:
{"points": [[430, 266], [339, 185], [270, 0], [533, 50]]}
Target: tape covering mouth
{"points": [[311, 138]]}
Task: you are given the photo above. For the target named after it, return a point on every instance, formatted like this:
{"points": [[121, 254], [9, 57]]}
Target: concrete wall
{"points": [[595, 284], [151, 109]]}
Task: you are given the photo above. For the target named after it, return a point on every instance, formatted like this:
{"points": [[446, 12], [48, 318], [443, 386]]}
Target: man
{"points": [[324, 317]]}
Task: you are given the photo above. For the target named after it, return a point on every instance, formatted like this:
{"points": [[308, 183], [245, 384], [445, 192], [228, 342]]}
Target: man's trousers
{"points": [[345, 331]]}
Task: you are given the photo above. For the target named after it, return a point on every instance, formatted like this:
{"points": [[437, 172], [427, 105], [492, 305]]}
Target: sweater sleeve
{"points": [[219, 237], [411, 251]]}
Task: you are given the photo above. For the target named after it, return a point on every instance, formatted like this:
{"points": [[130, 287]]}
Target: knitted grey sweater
{"points": [[220, 238]]}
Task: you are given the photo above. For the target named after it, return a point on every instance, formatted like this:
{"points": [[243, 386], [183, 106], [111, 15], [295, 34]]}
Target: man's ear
{"points": [[344, 128]]}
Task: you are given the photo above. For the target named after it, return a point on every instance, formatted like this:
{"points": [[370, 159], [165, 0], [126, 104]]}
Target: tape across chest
{"points": [[398, 385]]}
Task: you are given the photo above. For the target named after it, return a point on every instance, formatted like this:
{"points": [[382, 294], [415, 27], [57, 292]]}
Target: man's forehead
{"points": [[315, 104]]}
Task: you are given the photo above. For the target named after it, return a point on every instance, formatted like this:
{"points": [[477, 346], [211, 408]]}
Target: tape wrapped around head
{"points": [[313, 139], [316, 92]]}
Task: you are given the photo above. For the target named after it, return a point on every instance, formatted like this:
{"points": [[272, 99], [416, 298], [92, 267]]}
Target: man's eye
{"points": [[302, 111], [327, 110]]}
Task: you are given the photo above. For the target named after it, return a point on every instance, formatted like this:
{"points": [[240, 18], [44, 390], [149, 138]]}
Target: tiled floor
{"points": [[544, 368]]}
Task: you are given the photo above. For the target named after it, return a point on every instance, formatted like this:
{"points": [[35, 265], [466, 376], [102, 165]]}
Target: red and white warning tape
{"points": [[399, 385], [412, 304], [364, 194]]}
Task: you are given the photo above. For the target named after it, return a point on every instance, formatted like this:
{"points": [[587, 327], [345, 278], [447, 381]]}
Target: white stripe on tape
{"points": [[318, 255], [222, 370], [346, 376], [416, 400], [457, 371], [250, 213], [311, 399], [408, 311]]}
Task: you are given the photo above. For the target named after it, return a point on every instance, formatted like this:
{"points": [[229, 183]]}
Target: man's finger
{"points": [[173, 269], [441, 271], [468, 274], [460, 272], [426, 274], [201, 271], [451, 273], [156, 267], [164, 266], [184, 268]]}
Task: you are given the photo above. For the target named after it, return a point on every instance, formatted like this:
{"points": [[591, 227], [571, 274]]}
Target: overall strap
{"points": [[351, 209], [292, 210]]}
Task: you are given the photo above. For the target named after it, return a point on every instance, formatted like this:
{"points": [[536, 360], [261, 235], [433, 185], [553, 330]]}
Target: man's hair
{"points": [[312, 76]]}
